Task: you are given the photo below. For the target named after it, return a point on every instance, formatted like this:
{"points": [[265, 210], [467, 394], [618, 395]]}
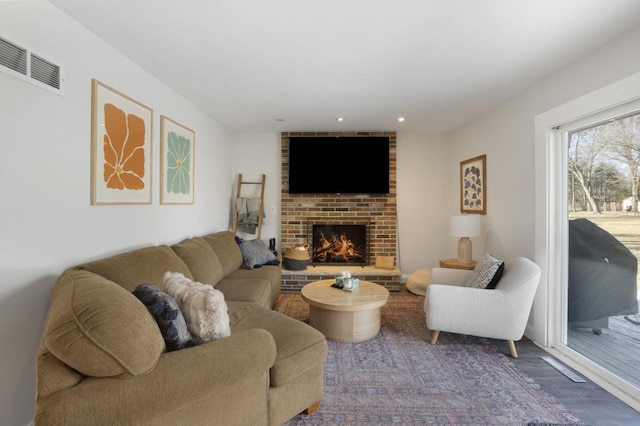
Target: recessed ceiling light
{"points": [[401, 119], [340, 119]]}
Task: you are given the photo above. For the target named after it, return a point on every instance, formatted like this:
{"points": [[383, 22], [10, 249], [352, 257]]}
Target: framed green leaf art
{"points": [[473, 185], [177, 162], [120, 148]]}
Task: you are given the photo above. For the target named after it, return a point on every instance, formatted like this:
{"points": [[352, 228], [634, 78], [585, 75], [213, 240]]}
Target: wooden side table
{"points": [[454, 264]]}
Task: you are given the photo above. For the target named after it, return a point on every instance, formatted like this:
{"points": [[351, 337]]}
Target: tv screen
{"points": [[339, 165]]}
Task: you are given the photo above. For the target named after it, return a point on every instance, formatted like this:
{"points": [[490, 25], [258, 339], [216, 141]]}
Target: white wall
{"points": [[254, 154], [46, 221], [504, 136], [507, 136], [423, 201]]}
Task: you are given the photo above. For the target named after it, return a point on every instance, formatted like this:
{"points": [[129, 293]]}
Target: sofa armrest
{"points": [[449, 276], [224, 379]]}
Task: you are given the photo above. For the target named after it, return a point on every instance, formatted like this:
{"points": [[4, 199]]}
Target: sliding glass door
{"points": [[602, 243]]}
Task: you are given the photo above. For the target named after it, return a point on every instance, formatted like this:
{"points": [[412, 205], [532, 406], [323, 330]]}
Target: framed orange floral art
{"points": [[121, 133]]}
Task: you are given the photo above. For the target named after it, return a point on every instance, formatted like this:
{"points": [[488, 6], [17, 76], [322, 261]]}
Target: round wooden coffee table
{"points": [[342, 315]]}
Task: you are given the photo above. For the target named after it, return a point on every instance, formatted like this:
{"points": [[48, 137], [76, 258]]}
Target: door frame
{"points": [[548, 318]]}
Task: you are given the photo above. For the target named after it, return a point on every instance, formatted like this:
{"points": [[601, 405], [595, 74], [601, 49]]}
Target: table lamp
{"points": [[465, 226]]}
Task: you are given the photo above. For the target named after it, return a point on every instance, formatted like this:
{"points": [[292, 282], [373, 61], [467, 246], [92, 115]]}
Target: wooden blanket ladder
{"points": [[236, 213]]}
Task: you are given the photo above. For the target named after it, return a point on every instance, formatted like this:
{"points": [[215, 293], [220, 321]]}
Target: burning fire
{"points": [[336, 249]]}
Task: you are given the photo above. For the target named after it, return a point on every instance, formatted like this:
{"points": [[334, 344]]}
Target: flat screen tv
{"points": [[339, 165]]}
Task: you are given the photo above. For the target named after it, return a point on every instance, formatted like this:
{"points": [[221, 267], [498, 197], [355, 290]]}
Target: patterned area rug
{"points": [[399, 378]]}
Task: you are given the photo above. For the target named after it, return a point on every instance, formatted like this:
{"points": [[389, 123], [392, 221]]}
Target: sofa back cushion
{"points": [[100, 329], [201, 260], [146, 265], [227, 249]]}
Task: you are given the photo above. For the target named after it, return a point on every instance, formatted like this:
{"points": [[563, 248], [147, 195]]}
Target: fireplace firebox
{"points": [[339, 244]]}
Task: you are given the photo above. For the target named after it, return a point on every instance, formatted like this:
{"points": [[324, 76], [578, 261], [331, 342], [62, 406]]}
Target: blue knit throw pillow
{"points": [[167, 313]]}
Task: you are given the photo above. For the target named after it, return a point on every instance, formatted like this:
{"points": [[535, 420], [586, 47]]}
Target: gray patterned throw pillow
{"points": [[255, 252], [487, 268]]}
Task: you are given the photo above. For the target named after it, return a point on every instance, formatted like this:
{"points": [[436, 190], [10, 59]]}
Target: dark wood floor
{"points": [[589, 402]]}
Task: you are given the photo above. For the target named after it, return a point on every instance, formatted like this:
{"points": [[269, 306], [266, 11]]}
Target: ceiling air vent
{"points": [[26, 65]]}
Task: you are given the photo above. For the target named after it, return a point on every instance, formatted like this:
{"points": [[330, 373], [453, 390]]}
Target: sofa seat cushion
{"points": [[100, 329], [201, 260], [300, 347], [254, 290], [271, 273], [146, 265]]}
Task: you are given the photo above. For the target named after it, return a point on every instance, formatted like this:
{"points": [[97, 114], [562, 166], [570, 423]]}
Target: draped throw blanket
{"points": [[248, 210]]}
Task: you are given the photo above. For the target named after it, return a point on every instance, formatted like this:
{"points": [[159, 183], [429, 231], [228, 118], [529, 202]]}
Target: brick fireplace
{"points": [[379, 212]]}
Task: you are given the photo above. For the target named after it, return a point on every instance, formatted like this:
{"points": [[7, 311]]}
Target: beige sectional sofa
{"points": [[103, 360]]}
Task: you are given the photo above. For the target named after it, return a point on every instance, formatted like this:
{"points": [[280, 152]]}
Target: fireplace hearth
{"points": [[339, 244]]}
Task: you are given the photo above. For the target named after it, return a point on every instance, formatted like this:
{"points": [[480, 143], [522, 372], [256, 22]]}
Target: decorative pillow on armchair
{"points": [[256, 253], [487, 273], [203, 306], [167, 314]]}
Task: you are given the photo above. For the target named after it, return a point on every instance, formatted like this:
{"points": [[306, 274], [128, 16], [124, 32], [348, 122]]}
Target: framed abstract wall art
{"points": [[473, 185], [121, 133], [177, 145]]}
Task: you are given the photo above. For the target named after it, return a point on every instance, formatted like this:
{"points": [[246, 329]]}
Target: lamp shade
{"points": [[465, 225]]}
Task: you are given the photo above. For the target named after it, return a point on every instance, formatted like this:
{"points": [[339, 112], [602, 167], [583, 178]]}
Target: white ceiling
{"points": [[439, 63]]}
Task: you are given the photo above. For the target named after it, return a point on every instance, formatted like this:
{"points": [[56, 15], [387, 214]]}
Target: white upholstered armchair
{"points": [[501, 313]]}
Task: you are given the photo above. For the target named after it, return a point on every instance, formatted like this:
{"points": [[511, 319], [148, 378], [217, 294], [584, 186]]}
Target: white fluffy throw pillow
{"points": [[203, 307]]}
